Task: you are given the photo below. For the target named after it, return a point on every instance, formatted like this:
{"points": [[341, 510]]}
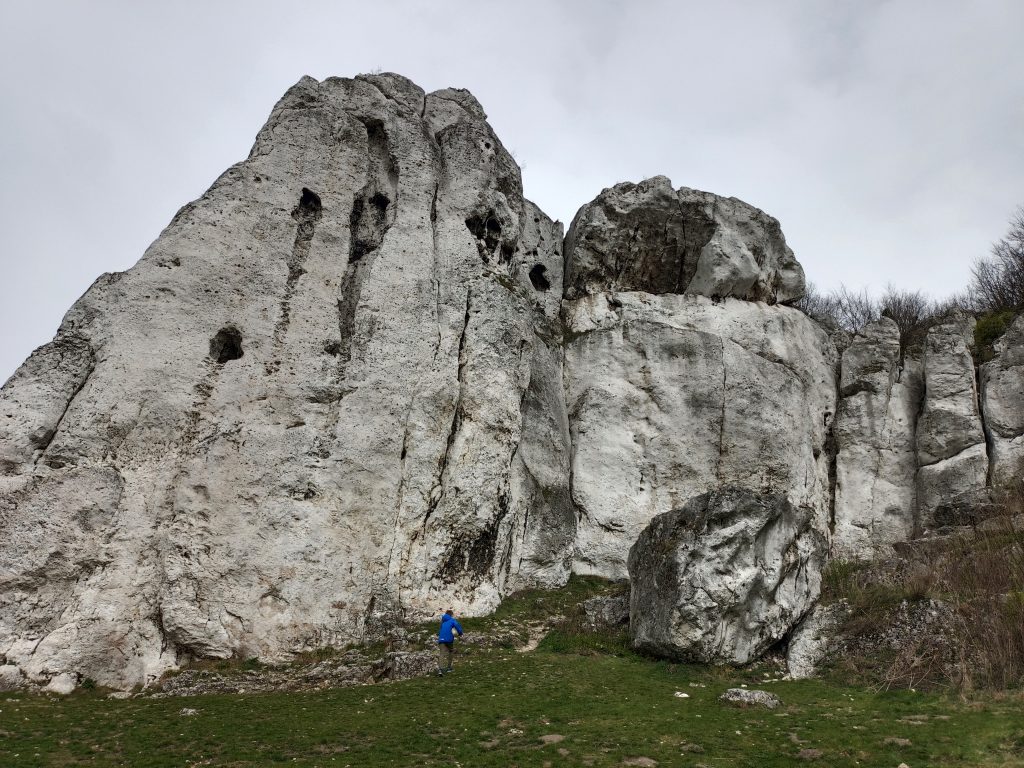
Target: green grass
{"points": [[493, 711]]}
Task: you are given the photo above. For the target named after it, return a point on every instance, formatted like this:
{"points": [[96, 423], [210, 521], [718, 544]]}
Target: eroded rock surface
{"points": [[724, 577], [815, 638], [649, 237], [1002, 394], [328, 396], [671, 396], [880, 393], [951, 450]]}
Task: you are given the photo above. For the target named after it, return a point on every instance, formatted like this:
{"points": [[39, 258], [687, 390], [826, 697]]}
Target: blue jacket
{"points": [[448, 623]]}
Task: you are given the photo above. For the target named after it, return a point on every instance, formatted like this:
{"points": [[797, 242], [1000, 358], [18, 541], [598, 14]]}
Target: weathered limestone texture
{"points": [[650, 237], [1002, 396], [672, 396], [951, 450], [330, 393], [724, 577], [879, 398], [815, 638]]}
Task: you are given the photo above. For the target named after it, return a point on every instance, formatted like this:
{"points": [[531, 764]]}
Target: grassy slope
{"points": [[609, 706], [492, 711]]}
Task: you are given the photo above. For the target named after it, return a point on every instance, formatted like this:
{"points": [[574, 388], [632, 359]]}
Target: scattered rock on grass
{"points": [[188, 712], [743, 697], [552, 738], [897, 742], [644, 762], [810, 754]]}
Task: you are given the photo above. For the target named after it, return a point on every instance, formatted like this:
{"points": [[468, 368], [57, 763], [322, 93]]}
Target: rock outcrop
{"points": [[649, 237], [361, 378], [951, 450], [329, 395], [880, 393], [671, 396], [1002, 397], [724, 577], [814, 639]]}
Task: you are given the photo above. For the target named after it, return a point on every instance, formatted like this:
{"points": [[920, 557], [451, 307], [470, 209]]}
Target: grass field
{"points": [[511, 709]]}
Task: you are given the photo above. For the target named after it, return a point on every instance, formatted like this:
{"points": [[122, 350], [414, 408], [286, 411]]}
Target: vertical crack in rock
{"points": [[721, 424], [306, 214], [373, 213], [397, 525], [456, 420], [47, 438], [985, 430], [437, 267]]}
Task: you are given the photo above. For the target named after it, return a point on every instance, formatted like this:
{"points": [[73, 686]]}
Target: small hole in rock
{"points": [[226, 345], [537, 277]]}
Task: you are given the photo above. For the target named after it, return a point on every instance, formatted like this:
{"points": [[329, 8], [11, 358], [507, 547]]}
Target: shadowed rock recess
{"points": [[362, 379]]}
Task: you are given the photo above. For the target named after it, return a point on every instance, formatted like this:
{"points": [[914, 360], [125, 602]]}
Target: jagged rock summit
{"points": [[362, 378], [329, 394]]}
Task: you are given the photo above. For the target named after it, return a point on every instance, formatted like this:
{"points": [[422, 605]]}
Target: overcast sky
{"points": [[887, 137]]}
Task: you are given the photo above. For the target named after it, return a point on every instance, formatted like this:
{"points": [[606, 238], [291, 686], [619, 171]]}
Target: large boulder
{"points": [[880, 394], [951, 450], [327, 397], [671, 396], [649, 237], [1002, 397], [724, 577]]}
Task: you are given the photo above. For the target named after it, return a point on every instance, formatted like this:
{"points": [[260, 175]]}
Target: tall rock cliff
{"points": [[880, 394], [327, 395], [673, 390], [362, 378]]}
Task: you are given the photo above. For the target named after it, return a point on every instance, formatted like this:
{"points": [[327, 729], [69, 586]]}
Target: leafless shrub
{"points": [[912, 312], [951, 614], [844, 308], [997, 281]]}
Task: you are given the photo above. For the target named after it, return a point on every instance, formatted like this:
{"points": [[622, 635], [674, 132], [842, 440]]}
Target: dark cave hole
{"points": [[226, 345], [309, 205], [487, 230], [380, 201], [540, 282]]}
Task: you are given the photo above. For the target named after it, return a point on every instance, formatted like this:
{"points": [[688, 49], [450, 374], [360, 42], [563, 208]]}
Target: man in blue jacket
{"points": [[445, 641]]}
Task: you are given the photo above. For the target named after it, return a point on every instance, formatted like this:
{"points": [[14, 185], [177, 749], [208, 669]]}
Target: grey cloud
{"points": [[884, 135]]}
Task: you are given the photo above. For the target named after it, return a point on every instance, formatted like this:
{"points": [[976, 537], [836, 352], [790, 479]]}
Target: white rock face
{"points": [[359, 381], [724, 577], [328, 394], [876, 463], [650, 237], [672, 396], [951, 451], [812, 640], [1002, 396]]}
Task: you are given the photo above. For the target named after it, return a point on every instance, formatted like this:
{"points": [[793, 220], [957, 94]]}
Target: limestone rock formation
{"points": [[649, 237], [1002, 394], [672, 396], [951, 450], [814, 638], [724, 577], [361, 379], [879, 396], [328, 395]]}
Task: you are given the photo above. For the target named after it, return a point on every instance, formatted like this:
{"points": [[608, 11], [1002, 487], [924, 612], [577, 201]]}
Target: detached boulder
{"points": [[743, 697], [653, 238], [724, 577]]}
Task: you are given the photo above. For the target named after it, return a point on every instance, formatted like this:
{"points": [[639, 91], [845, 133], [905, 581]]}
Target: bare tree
{"points": [[912, 311], [846, 309], [997, 281]]}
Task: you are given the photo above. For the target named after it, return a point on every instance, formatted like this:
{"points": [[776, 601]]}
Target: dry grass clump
{"points": [[950, 613]]}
